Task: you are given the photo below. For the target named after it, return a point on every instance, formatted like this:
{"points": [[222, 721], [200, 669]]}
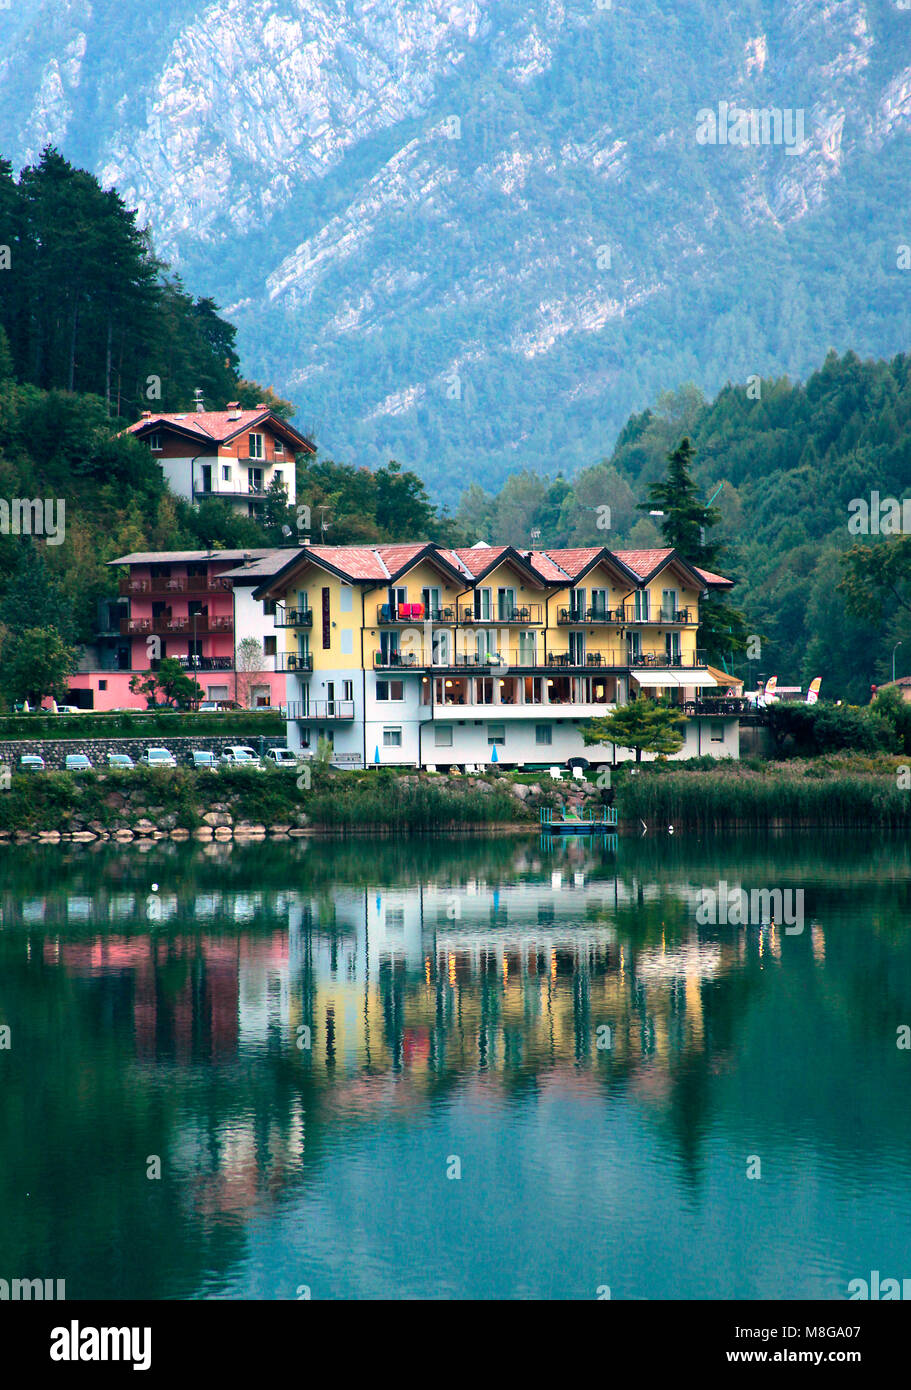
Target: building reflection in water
{"points": [[325, 1007]]}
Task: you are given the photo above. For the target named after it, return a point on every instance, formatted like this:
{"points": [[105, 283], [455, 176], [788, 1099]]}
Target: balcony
{"points": [[321, 710], [411, 661], [198, 625], [293, 617], [598, 614], [198, 663], [667, 617], [292, 661], [717, 709], [678, 617], [640, 660], [183, 584], [524, 613], [387, 613], [257, 494]]}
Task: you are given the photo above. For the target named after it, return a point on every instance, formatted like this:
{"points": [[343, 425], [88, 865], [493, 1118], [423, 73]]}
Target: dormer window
{"points": [[257, 446], [155, 443]]}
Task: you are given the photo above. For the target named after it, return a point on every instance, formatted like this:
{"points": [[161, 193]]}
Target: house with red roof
{"points": [[233, 456]]}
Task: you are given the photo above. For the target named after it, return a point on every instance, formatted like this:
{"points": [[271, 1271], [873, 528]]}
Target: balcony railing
{"points": [[722, 706], [293, 617], [323, 710], [413, 661], [291, 661], [257, 493], [503, 613], [625, 614], [414, 613], [190, 626], [199, 663], [182, 584], [671, 663], [598, 614]]}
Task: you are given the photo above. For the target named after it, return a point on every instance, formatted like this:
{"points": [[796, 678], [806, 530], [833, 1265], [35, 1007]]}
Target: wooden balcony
{"points": [[200, 625], [182, 584]]}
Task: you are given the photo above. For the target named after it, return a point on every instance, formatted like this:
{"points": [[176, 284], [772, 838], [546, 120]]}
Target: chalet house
{"points": [[234, 455]]}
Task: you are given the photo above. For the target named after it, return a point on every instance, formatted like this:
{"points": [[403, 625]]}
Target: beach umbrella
{"points": [[493, 756], [376, 755]]}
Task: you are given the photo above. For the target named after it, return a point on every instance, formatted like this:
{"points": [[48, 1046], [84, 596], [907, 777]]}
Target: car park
{"points": [[239, 755], [31, 762], [159, 757], [281, 757], [120, 762], [78, 762]]}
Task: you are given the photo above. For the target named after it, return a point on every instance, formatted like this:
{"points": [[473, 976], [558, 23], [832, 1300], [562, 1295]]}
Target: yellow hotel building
{"points": [[417, 655]]}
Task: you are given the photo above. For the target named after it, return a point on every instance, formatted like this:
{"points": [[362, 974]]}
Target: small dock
{"points": [[575, 825]]}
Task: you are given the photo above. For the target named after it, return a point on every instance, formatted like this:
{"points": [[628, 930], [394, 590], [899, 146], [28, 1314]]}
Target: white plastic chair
{"points": [[556, 774], [579, 774]]}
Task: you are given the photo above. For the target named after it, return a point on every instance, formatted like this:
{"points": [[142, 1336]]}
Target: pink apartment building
{"points": [[196, 606]]}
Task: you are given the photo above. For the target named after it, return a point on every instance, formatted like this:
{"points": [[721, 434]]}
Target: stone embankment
{"points": [[54, 751]]}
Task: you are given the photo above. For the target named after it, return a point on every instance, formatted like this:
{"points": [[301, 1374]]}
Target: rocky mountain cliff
{"points": [[474, 234]]}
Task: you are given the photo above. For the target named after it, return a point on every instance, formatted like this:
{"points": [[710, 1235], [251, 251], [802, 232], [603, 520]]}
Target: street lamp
{"points": [[894, 650]]}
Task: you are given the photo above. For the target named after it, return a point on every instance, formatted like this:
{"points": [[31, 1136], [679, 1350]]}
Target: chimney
{"points": [[147, 415], [233, 405], [261, 405], [307, 540], [197, 394]]}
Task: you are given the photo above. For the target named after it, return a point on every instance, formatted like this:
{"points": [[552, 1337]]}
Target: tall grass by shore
{"points": [[820, 794]]}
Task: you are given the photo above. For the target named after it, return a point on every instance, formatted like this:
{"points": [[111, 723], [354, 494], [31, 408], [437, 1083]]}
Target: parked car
{"points": [[240, 756], [78, 762], [207, 706], [203, 760], [281, 757], [159, 757], [120, 762], [71, 709], [31, 762]]}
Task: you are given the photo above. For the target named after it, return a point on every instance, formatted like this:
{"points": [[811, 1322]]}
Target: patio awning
{"points": [[661, 679], [699, 678], [670, 679]]}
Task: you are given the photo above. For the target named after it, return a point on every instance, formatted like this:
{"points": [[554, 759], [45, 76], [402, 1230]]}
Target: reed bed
{"points": [[731, 797]]}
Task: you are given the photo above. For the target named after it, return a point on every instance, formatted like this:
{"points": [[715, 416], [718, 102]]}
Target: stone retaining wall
{"points": [[54, 751]]}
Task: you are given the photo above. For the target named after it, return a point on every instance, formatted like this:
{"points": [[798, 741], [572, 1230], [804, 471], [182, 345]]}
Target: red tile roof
{"points": [[379, 563], [214, 426], [208, 424], [714, 580], [643, 562]]}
